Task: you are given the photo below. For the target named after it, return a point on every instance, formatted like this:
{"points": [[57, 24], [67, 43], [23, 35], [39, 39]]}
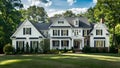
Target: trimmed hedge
{"points": [[88, 49], [8, 49]]}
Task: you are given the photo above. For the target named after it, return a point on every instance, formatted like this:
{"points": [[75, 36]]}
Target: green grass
{"points": [[61, 61]]}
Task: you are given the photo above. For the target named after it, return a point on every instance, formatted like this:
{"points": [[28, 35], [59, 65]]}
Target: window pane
{"points": [[99, 32]]}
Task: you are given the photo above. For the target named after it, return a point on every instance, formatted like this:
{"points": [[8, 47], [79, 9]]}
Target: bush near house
{"points": [[88, 49], [8, 49], [45, 45], [113, 49]]}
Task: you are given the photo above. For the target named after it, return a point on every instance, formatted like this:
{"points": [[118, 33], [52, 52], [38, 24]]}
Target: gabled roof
{"points": [[83, 21], [42, 26]]}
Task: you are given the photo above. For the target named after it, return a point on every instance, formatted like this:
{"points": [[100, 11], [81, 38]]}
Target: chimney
{"points": [[102, 20]]}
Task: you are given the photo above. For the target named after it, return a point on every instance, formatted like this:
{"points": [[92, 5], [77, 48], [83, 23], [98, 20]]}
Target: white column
{"points": [[80, 44], [51, 44], [59, 44], [72, 43], [60, 32], [83, 43]]}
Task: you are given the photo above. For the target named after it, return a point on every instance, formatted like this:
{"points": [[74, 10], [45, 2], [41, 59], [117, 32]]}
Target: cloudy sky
{"points": [[59, 6]]}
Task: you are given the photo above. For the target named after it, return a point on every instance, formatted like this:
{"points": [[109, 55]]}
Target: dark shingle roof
{"points": [[42, 26], [83, 21]]}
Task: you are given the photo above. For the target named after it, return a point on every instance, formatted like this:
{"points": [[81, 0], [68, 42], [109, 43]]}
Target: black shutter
{"points": [[94, 43], [30, 31], [53, 32], [16, 45], [67, 32], [37, 45], [96, 32], [101, 32], [23, 46], [104, 43], [87, 32], [62, 32], [61, 43], [58, 32], [23, 31], [67, 43], [83, 32], [31, 46]]}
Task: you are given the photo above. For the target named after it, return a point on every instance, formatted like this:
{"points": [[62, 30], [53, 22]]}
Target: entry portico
{"points": [[78, 42]]}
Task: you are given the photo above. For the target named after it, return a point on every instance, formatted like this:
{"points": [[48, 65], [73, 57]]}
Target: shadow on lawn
{"points": [[61, 61]]}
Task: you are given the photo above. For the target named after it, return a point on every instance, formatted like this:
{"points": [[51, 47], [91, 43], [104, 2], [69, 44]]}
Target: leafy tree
{"points": [[36, 14], [57, 15], [69, 13], [110, 11], [9, 18], [90, 15], [117, 28]]}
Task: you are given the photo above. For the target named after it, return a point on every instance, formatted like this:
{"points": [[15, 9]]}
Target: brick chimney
{"points": [[102, 20]]}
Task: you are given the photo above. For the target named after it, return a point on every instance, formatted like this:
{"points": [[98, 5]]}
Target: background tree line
{"points": [[12, 13]]}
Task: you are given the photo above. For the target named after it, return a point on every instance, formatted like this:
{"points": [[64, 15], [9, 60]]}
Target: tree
{"points": [[36, 14], [9, 18], [110, 11], [117, 31], [68, 13], [90, 15], [57, 15]]}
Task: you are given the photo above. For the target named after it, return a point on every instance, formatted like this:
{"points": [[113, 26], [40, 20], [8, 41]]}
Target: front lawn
{"points": [[61, 61]]}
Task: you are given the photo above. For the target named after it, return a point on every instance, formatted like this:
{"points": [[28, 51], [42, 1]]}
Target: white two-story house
{"points": [[63, 32]]}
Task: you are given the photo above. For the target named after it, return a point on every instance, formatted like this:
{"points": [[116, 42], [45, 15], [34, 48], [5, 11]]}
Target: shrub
{"points": [[86, 49], [113, 49], [45, 45], [27, 48], [54, 51], [65, 50], [8, 49], [73, 50]]}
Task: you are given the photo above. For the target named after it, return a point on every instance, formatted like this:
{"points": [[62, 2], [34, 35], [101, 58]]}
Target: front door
{"points": [[76, 44]]}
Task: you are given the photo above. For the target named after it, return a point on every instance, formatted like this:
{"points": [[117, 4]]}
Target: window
{"points": [[20, 45], [60, 22], [76, 23], [64, 32], [56, 43], [85, 32], [99, 32], [26, 31], [99, 43], [76, 32], [56, 32], [65, 43], [33, 44]]}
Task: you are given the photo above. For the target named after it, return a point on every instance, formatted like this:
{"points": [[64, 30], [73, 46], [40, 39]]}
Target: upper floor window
{"points": [[26, 31], [56, 32], [76, 22], [76, 32], [98, 32], [85, 32], [60, 22], [64, 32]]}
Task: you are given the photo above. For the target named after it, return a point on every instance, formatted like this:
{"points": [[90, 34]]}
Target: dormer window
{"points": [[76, 23], [60, 22], [26, 31]]}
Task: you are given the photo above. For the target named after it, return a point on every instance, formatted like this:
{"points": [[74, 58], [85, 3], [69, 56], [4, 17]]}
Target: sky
{"points": [[60, 6]]}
